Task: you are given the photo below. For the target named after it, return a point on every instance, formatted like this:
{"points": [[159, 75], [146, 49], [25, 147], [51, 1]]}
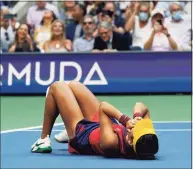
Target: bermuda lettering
{"points": [[44, 74], [25, 72], [72, 64], [51, 76], [1, 73], [102, 80]]}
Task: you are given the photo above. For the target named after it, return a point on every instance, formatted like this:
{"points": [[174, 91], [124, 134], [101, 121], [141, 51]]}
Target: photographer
{"points": [[159, 39]]}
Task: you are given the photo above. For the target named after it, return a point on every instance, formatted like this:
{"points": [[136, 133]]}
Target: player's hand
{"points": [[141, 108], [136, 119], [130, 124]]}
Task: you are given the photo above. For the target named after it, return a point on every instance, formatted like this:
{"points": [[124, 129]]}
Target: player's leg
{"points": [[87, 101], [142, 109], [50, 114], [67, 105], [60, 94]]}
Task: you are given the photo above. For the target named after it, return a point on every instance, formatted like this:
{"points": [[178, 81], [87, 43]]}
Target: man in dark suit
{"points": [[109, 40]]}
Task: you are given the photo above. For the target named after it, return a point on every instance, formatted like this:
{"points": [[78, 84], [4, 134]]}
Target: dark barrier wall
{"points": [[102, 73]]}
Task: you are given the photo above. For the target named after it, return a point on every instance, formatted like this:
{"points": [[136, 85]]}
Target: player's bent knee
{"points": [[58, 84], [101, 106], [74, 84]]}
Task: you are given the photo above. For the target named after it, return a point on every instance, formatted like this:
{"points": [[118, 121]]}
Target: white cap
{"points": [[156, 11]]}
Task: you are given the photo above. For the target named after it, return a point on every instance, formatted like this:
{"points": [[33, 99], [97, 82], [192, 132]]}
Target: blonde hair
{"points": [[63, 37]]}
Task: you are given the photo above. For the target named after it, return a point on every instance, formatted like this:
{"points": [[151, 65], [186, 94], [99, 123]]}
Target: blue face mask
{"points": [[143, 16], [177, 16]]}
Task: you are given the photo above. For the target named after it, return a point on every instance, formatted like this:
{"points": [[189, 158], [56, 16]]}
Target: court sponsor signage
{"points": [[102, 73]]}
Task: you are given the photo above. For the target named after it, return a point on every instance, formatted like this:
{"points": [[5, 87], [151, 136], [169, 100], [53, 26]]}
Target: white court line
{"points": [[28, 128], [164, 130], [172, 122], [60, 124]]}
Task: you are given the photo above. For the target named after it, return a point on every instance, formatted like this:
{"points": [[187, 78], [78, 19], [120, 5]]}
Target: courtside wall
{"points": [[134, 72]]}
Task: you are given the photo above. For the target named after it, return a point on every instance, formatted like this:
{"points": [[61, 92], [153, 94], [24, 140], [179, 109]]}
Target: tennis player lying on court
{"points": [[94, 127]]}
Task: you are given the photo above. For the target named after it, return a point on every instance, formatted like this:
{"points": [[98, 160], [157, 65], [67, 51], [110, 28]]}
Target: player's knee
{"points": [[74, 84], [101, 106], [57, 85]]}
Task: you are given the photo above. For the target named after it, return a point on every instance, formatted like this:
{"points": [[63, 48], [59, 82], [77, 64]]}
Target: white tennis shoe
{"points": [[42, 146], [62, 137]]}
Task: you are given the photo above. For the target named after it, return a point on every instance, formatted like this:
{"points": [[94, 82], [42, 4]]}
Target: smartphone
{"points": [[9, 16], [160, 21]]}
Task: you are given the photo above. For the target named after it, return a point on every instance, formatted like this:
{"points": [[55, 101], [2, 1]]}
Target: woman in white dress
{"points": [[58, 41]]}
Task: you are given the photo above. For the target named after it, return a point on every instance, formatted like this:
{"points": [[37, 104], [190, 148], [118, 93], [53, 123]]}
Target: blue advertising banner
{"points": [[102, 73]]}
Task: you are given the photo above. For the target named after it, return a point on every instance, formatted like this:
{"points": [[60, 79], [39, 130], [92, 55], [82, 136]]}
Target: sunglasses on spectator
{"points": [[89, 23], [6, 36]]}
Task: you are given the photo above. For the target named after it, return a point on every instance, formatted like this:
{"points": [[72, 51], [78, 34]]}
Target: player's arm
{"points": [[109, 139]]}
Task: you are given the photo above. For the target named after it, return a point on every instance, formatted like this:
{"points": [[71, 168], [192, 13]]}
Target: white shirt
{"points": [[35, 15], [83, 45], [6, 43], [138, 33], [180, 31], [160, 43]]}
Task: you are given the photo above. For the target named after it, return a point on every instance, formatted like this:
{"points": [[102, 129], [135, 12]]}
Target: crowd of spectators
{"points": [[97, 26]]}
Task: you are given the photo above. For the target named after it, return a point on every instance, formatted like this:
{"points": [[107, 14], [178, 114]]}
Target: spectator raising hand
{"points": [[23, 41]]}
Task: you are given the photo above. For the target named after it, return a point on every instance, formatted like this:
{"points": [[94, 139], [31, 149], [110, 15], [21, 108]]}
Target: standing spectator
{"points": [[109, 40], [43, 32], [159, 39], [6, 29], [58, 41], [132, 9], [36, 12], [179, 25], [66, 10], [86, 42], [117, 21], [139, 23], [74, 30], [23, 41]]}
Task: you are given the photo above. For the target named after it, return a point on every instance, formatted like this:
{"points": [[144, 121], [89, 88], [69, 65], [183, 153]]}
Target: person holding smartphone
{"points": [[159, 39]]}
